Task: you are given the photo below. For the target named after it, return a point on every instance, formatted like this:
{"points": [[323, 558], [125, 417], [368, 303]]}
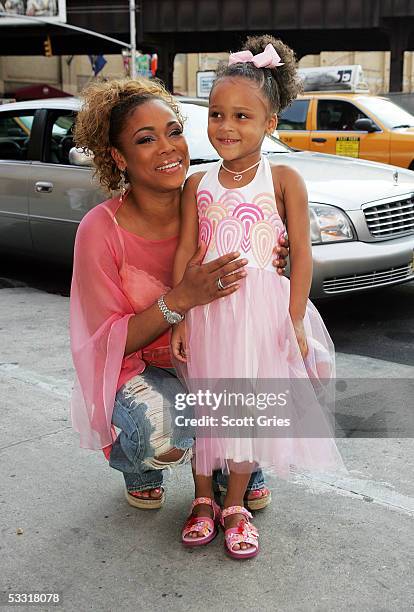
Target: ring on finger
{"points": [[220, 285]]}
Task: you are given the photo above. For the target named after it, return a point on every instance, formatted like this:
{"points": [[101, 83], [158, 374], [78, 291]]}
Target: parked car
{"points": [[192, 100], [350, 124], [362, 214]]}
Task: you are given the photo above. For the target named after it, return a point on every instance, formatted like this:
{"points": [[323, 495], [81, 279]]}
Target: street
{"points": [[325, 545]]}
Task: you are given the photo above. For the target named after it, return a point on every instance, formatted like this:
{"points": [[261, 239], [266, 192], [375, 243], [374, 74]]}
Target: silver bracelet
{"points": [[170, 316]]}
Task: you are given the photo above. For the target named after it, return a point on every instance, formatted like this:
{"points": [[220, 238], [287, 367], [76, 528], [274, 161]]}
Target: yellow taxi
{"points": [[342, 118]]}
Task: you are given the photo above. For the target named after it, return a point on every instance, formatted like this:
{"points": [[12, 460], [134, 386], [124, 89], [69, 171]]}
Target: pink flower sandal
{"points": [[245, 532], [146, 503], [254, 499], [205, 525], [260, 499]]}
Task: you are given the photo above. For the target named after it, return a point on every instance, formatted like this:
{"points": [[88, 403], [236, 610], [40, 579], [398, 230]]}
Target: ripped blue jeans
{"points": [[144, 412]]}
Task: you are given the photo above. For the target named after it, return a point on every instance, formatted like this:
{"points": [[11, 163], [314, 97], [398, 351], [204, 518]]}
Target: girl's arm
{"points": [[187, 244], [295, 199], [290, 187]]}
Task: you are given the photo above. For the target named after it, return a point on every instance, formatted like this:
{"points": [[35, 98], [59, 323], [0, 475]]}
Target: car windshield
{"points": [[60, 127], [390, 114], [195, 130], [63, 125], [25, 122]]}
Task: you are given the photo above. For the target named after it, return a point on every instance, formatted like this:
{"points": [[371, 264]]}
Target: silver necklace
{"points": [[239, 175]]}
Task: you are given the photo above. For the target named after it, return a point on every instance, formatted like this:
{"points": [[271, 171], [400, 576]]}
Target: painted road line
{"points": [[50, 384], [360, 366], [381, 493]]}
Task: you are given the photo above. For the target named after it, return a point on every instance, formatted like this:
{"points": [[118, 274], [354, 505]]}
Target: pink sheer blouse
{"points": [[115, 275]]}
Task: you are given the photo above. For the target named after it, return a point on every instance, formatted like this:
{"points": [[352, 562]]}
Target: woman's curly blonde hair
{"points": [[105, 108]]}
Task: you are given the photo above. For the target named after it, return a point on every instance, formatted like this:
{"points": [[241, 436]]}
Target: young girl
{"points": [[268, 329]]}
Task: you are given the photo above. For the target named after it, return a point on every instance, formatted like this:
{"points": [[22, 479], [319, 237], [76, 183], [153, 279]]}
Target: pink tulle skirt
{"points": [[247, 342]]}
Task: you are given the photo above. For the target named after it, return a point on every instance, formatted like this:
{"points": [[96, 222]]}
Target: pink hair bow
{"points": [[269, 58]]}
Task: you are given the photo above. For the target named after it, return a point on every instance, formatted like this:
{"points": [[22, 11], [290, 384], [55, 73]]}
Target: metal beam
{"points": [[133, 38], [67, 26]]}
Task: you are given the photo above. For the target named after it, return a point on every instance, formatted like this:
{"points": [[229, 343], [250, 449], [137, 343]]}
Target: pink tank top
{"points": [[244, 219], [146, 274], [115, 275]]}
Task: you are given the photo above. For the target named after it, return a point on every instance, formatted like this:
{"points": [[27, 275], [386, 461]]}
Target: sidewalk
{"points": [[326, 546]]}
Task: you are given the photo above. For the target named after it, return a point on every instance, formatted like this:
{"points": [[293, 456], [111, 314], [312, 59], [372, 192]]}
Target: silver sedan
{"points": [[362, 213]]}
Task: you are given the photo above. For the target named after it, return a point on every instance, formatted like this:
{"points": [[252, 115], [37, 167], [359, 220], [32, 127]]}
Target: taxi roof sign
{"points": [[334, 79]]}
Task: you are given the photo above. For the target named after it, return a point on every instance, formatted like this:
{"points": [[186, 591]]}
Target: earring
{"points": [[122, 185]]}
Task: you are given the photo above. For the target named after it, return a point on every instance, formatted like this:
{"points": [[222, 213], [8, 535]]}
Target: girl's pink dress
{"points": [[249, 336], [115, 275]]}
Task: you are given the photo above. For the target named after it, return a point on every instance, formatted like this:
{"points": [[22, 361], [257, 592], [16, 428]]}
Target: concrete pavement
{"points": [[326, 545]]}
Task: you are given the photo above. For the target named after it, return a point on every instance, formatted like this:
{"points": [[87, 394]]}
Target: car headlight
{"points": [[329, 224]]}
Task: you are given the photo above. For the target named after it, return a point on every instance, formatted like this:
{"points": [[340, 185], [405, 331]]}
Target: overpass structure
{"points": [[183, 26]]}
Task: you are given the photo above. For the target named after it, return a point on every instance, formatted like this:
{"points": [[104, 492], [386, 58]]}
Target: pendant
{"points": [[237, 177]]}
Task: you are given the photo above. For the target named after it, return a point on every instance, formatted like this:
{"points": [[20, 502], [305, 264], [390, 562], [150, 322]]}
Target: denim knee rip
{"points": [[144, 411]]}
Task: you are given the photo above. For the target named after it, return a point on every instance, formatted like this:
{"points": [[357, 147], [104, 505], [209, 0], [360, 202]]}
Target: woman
{"points": [[122, 306]]}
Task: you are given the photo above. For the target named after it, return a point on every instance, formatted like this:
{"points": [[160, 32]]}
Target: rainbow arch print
{"points": [[262, 236], [204, 200], [230, 199], [248, 215], [229, 234], [266, 201], [205, 231], [215, 213]]}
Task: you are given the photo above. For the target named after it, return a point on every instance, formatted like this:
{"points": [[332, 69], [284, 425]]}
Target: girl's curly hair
{"points": [[106, 106], [279, 85]]}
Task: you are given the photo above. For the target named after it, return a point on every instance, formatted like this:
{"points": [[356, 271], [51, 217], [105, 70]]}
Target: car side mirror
{"points": [[77, 157], [365, 125]]}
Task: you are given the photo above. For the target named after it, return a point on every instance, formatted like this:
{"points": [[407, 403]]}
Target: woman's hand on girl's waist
{"points": [[281, 253], [200, 283]]}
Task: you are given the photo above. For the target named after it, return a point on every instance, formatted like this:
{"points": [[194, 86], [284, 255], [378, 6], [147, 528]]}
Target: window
{"points": [[15, 129], [294, 116], [60, 138], [389, 113], [337, 115]]}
